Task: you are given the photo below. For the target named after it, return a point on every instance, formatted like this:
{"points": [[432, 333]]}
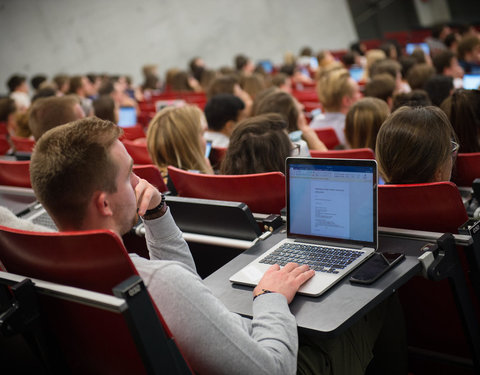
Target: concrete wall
{"points": [[52, 36]]}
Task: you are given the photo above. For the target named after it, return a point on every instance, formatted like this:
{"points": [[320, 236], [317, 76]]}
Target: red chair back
{"points": [[355, 153], [152, 174], [22, 144], [138, 152], [467, 169], [144, 118], [262, 192], [15, 173], [93, 260], [217, 155], [434, 207], [328, 137], [133, 132], [3, 128], [4, 145]]}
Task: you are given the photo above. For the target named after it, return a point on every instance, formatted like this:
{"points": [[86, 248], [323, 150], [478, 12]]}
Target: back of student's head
{"points": [[382, 86], [439, 87], [282, 103], [47, 113], [222, 108], [37, 80], [385, 66], [224, 84], [253, 84], [419, 74], [363, 122], [442, 60], [466, 45], [258, 144], [15, 81], [71, 162], [104, 108], [461, 109], [414, 145], [414, 98], [7, 108], [332, 86], [174, 137]]}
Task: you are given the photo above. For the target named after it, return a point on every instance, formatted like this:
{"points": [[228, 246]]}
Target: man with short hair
{"points": [[337, 92], [446, 63], [383, 87], [469, 54], [83, 176], [18, 86], [222, 113], [47, 113], [81, 86]]}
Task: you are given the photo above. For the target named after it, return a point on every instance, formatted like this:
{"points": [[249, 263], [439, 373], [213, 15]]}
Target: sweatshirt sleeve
{"points": [[165, 240], [215, 340]]}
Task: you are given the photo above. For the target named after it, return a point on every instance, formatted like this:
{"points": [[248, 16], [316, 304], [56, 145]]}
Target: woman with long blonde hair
{"points": [[175, 137]]}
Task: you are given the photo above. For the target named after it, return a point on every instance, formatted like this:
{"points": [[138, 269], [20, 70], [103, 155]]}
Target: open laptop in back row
{"points": [[331, 221]]}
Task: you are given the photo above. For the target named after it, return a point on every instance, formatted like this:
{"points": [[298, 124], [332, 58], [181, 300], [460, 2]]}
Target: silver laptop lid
{"points": [[332, 200]]}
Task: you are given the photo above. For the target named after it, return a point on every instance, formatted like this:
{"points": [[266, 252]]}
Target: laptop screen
{"points": [[332, 200]]}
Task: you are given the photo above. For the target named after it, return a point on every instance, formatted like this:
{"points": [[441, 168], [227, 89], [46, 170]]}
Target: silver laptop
{"points": [[331, 221]]}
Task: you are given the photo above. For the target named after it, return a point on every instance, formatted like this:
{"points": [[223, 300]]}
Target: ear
{"points": [[102, 203], [229, 126], [390, 102], [346, 101]]}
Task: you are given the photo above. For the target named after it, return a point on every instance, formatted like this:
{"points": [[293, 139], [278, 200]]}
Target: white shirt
{"points": [[218, 139]]}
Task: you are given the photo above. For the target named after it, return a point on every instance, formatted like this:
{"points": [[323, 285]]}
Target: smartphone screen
{"points": [[375, 266], [208, 149]]}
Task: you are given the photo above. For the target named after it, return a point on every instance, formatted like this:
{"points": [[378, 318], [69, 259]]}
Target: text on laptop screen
{"points": [[332, 201]]}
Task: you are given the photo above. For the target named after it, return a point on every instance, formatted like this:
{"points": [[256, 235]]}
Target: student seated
{"points": [[462, 108], [175, 137], [363, 122], [416, 145], [223, 111], [259, 144], [300, 133], [94, 188]]}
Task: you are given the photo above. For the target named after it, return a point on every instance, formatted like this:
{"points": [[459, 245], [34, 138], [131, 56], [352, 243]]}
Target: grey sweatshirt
{"points": [[213, 339]]}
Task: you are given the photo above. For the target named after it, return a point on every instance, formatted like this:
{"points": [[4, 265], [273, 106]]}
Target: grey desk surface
{"points": [[337, 309]]}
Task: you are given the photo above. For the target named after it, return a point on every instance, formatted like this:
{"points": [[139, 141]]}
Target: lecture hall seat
{"points": [[22, 144], [133, 132], [4, 145], [15, 173], [433, 322], [95, 260], [328, 137], [262, 192], [467, 168], [152, 174], [138, 152], [354, 153]]}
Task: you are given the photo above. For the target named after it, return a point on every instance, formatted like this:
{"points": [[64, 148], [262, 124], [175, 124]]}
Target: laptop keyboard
{"points": [[319, 258]]}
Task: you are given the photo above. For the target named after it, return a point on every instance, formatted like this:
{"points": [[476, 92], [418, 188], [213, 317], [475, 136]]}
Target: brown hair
{"points": [[419, 74], [257, 145], [332, 87], [222, 85], [46, 113], [460, 109], [71, 162], [282, 103], [466, 45], [413, 143], [363, 122], [173, 139], [382, 86]]}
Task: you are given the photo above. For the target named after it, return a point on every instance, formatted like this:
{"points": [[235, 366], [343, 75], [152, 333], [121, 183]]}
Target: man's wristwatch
{"points": [[156, 212]]}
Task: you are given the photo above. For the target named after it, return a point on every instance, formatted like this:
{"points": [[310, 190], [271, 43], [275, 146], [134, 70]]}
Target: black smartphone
{"points": [[375, 266]]}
